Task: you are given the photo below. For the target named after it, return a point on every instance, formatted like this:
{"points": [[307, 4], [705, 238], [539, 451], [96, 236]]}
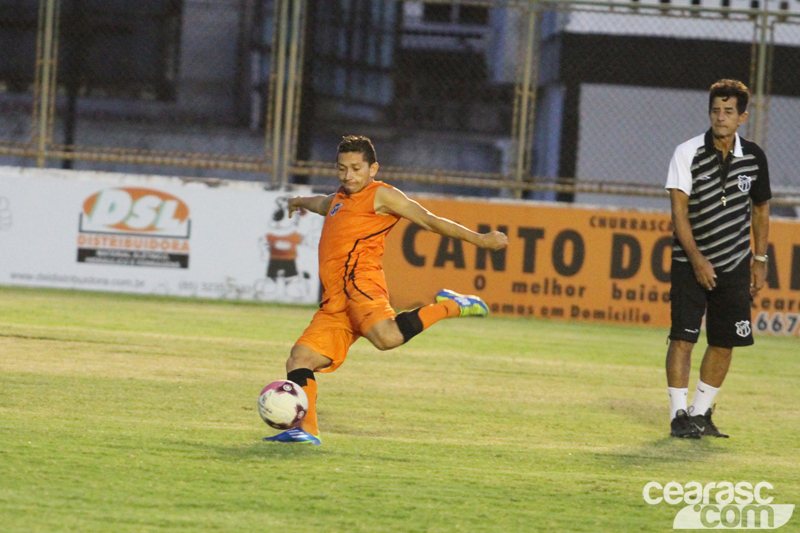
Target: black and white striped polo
{"points": [[719, 203]]}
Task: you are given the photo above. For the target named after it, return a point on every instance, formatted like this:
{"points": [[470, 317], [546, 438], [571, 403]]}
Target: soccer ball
{"points": [[282, 404]]}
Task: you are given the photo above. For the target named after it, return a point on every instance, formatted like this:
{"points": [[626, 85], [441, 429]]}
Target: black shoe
{"points": [[707, 427], [683, 427]]}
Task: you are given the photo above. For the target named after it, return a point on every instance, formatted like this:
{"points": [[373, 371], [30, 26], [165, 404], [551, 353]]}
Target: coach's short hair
{"points": [[727, 88], [358, 143]]}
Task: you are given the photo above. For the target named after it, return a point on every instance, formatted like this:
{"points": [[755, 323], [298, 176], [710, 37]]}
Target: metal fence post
{"points": [[525, 129], [46, 71], [761, 67], [279, 56], [293, 75]]}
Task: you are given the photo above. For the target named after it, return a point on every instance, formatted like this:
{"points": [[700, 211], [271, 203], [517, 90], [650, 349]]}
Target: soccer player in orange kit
{"points": [[355, 301]]}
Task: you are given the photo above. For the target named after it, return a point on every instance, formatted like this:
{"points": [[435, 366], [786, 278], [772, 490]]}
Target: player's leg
{"points": [[300, 368], [385, 335], [406, 325], [468, 304], [371, 314], [390, 330], [322, 347], [687, 306]]}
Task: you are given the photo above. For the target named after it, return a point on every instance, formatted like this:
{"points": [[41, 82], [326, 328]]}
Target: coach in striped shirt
{"points": [[718, 182]]}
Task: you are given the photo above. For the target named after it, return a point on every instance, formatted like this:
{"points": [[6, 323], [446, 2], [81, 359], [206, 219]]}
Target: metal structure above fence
{"points": [[539, 99]]}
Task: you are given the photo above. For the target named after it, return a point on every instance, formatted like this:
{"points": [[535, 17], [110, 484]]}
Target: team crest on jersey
{"points": [[743, 328], [335, 208], [744, 182]]}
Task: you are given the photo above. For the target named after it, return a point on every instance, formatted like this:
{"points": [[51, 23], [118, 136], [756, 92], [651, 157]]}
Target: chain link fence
{"points": [[574, 100], [154, 86], [443, 89], [636, 78], [19, 25], [782, 104]]}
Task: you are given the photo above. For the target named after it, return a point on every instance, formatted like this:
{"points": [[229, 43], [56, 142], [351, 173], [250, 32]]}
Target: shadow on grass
{"points": [[666, 451], [258, 449], [644, 412], [661, 451]]}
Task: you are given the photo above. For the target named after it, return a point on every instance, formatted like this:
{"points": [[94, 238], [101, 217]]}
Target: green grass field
{"points": [[124, 413]]}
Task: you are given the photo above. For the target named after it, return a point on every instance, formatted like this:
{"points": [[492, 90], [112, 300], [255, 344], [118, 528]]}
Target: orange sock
{"points": [[414, 322], [433, 313], [309, 422], [305, 378]]}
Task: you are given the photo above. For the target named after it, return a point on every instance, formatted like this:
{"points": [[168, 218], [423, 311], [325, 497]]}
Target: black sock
{"points": [[409, 324], [301, 376]]}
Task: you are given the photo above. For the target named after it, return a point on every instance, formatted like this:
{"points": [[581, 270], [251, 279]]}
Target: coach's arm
{"points": [[703, 270], [760, 225]]}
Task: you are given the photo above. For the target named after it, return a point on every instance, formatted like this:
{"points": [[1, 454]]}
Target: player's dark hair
{"points": [[727, 88], [360, 144]]}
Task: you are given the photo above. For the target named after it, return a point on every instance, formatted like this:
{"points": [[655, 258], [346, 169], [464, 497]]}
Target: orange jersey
{"points": [[352, 244]]}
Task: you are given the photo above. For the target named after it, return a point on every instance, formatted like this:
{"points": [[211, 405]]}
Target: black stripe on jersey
{"points": [[722, 231], [352, 274]]}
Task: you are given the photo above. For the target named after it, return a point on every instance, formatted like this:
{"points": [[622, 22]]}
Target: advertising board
{"points": [[154, 235], [572, 262]]}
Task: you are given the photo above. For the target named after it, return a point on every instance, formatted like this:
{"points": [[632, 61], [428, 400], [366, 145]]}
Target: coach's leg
{"points": [[713, 369], [678, 364], [715, 365], [300, 369]]}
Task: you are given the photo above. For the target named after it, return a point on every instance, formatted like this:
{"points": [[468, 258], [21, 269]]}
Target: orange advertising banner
{"points": [[572, 263]]}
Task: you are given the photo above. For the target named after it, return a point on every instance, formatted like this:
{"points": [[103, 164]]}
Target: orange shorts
{"points": [[342, 320]]}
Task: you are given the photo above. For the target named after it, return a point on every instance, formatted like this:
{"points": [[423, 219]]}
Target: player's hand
{"points": [[704, 272], [493, 240], [758, 274], [294, 205]]}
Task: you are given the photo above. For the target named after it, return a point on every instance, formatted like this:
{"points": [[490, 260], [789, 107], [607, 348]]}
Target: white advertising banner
{"points": [[155, 235]]}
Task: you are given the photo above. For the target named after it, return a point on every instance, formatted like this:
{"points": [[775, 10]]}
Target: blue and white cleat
{"points": [[470, 305], [295, 435]]}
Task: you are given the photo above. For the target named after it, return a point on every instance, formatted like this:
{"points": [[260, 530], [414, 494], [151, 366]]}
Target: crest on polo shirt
{"points": [[744, 182]]}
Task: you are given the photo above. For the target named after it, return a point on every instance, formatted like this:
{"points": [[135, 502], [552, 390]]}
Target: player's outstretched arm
{"points": [[316, 204], [394, 201]]}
